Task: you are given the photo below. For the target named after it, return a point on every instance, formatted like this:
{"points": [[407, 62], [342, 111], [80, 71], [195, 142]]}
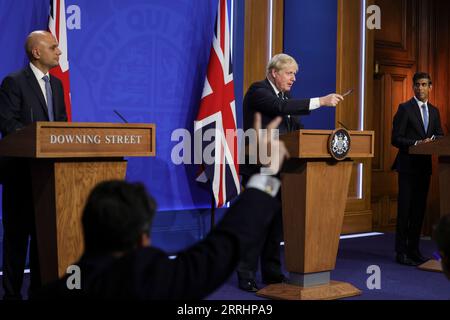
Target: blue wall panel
{"points": [[310, 31], [148, 59], [17, 19]]}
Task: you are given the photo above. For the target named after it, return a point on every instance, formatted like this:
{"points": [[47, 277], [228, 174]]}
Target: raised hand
{"points": [[268, 140]]}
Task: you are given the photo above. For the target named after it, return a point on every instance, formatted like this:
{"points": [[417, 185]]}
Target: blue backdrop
{"points": [[148, 59], [17, 19], [310, 31]]}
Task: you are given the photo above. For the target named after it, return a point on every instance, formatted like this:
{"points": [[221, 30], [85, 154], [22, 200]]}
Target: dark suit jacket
{"points": [[407, 129], [22, 101], [196, 272], [261, 97]]}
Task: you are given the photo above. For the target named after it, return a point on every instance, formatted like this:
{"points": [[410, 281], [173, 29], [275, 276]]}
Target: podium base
{"points": [[431, 265], [333, 290]]}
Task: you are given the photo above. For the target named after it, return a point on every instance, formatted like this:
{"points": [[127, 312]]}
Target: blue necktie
{"points": [[425, 116], [48, 92]]}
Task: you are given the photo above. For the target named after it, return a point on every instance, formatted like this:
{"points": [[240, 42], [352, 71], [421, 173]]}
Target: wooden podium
{"points": [[441, 148], [67, 160], [314, 194]]}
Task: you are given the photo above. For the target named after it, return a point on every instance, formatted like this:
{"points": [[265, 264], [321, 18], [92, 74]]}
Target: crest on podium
{"points": [[339, 144]]}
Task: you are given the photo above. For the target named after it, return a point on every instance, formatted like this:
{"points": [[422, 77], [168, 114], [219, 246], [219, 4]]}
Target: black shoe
{"points": [[416, 256], [248, 285], [279, 278], [403, 258]]}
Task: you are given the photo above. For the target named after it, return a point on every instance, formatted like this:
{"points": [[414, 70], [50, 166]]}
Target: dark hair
{"points": [[441, 235], [116, 214], [421, 75]]}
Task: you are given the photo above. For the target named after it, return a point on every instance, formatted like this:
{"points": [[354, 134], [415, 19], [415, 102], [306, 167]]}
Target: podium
{"points": [[67, 160], [314, 193], [440, 148]]}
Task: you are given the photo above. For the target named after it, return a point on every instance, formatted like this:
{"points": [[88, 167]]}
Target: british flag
{"points": [[57, 27], [218, 112]]}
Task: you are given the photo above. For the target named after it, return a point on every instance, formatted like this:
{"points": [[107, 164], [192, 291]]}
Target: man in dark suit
{"points": [[28, 95], [416, 121], [118, 262], [271, 97]]}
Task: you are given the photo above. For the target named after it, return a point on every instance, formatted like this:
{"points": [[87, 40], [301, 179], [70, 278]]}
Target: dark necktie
{"points": [[48, 93], [287, 119]]}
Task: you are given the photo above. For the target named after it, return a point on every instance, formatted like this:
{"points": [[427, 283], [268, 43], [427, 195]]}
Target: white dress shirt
{"points": [[39, 75], [265, 183], [420, 103]]}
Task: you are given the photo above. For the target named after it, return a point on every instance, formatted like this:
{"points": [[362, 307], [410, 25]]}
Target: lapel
{"points": [[286, 118], [36, 88], [267, 83], [55, 92], [416, 111], [432, 118]]}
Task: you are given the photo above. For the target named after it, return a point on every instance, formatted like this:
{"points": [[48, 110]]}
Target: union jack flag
{"points": [[57, 27], [218, 112]]}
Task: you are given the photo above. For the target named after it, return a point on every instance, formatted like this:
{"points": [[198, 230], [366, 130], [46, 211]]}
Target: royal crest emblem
{"points": [[339, 144]]}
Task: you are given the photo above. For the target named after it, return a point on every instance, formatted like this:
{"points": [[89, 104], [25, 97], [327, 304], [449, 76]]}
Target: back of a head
{"points": [[116, 215]]}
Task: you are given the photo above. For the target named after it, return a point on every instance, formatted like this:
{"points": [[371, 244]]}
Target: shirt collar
{"points": [[274, 87], [420, 103], [38, 73]]}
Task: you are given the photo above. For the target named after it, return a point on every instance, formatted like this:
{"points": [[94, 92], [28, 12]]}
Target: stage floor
{"points": [[355, 256]]}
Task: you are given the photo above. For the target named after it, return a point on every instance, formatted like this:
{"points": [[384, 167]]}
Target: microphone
{"points": [[120, 116], [343, 125]]}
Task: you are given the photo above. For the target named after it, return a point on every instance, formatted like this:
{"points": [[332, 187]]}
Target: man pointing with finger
{"points": [[271, 97]]}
